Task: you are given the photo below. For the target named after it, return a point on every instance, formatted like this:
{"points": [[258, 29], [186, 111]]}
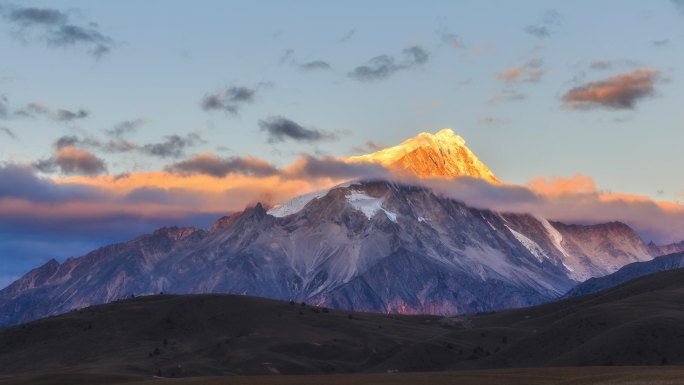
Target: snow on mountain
{"points": [[443, 154], [296, 204]]}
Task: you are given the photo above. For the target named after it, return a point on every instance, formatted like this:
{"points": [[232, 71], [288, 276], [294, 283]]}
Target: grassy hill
{"points": [[638, 323]]}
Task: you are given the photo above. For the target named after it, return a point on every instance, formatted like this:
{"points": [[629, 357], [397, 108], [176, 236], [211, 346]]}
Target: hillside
{"points": [[639, 323]]}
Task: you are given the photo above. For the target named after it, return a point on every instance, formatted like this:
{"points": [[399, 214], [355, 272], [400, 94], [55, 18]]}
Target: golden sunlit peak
{"points": [[443, 154]]}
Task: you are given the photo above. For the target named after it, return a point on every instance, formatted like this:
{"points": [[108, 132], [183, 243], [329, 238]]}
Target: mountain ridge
{"points": [[372, 246]]}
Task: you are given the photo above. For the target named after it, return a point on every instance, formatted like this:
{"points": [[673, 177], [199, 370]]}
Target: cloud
{"points": [[450, 39], [287, 57], [679, 4], [210, 164], [117, 145], [30, 16], [551, 18], [173, 146], [615, 93], [506, 96], [334, 169], [383, 66], [369, 146], [347, 36], [660, 43], [601, 65], [4, 109], [67, 116], [8, 132], [36, 109], [230, 100], [125, 127], [570, 200], [57, 28], [531, 72], [70, 160], [538, 31], [280, 129], [491, 121], [315, 65]]}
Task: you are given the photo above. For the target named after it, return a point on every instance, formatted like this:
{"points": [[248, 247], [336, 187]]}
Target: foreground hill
{"points": [[638, 323]]}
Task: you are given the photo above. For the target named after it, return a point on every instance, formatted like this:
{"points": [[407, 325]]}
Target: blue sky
{"points": [[164, 58]]}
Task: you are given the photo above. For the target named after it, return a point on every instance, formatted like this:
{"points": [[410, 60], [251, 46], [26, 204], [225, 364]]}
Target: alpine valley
{"points": [[366, 245]]}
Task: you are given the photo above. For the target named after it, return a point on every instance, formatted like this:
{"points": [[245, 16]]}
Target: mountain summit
{"points": [[443, 154]]}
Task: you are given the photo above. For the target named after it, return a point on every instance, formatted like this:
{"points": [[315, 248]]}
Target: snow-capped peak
{"points": [[443, 154]]}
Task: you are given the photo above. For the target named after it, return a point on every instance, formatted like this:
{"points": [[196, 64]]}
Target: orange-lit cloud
{"points": [[73, 160], [557, 185], [531, 72], [618, 92]]}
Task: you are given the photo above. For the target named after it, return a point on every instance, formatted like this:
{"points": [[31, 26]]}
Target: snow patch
{"points": [[369, 205], [422, 219], [556, 237], [296, 204], [568, 268], [391, 215], [529, 244]]}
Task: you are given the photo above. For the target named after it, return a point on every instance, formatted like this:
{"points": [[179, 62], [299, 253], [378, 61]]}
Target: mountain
{"points": [[628, 273], [443, 154], [665, 249], [638, 323], [366, 246]]}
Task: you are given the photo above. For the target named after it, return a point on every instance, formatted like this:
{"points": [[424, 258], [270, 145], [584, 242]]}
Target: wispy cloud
{"points": [[369, 146], [287, 57], [230, 100], [507, 95], [531, 72], [315, 65], [449, 38], [280, 129], [679, 4], [57, 28], [347, 36], [36, 109], [213, 165], [173, 146], [125, 127], [616, 93], [8, 132], [383, 66], [550, 19]]}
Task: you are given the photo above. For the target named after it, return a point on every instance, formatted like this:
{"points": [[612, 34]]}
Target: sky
{"points": [[120, 117]]}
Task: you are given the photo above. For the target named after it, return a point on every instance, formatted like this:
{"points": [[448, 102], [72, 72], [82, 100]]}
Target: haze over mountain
{"points": [[367, 245]]}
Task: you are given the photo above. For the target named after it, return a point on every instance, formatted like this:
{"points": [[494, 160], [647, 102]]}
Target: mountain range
{"points": [[372, 245]]}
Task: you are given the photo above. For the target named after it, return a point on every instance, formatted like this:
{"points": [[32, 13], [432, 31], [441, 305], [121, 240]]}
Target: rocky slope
{"points": [[372, 246]]}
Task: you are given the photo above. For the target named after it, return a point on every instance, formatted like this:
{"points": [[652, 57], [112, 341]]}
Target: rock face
{"points": [[628, 273], [375, 246], [443, 154]]}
